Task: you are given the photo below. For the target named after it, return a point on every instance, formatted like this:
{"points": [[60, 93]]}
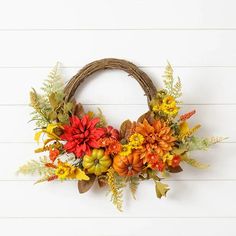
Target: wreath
{"points": [[80, 145]]}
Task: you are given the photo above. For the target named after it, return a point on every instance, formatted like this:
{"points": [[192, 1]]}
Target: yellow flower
{"points": [[168, 158], [169, 101], [62, 172], [136, 140], [169, 110], [126, 150], [156, 108], [185, 131], [49, 131], [67, 171]]}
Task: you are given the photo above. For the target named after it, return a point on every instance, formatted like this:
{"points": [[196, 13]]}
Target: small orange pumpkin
{"points": [[128, 165]]}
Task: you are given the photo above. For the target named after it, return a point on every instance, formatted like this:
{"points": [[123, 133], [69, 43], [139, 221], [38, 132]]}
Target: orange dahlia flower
{"points": [[81, 135], [158, 137]]}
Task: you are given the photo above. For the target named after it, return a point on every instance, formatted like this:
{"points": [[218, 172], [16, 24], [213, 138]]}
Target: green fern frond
{"points": [[54, 83]]}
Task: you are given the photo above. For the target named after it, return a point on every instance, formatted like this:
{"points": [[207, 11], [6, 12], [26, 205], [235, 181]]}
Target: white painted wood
{"points": [[195, 82], [197, 37], [146, 48], [120, 226], [185, 199], [111, 14], [211, 118]]}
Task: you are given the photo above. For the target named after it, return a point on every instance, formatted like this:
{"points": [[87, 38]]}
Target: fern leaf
{"points": [[115, 186], [54, 83], [172, 88], [133, 185]]}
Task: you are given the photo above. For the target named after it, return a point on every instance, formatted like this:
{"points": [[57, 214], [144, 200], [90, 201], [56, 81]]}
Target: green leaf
{"points": [[161, 189], [53, 101], [197, 143], [63, 118]]}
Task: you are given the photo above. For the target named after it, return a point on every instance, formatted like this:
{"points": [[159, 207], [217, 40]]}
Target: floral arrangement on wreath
{"points": [[80, 145]]}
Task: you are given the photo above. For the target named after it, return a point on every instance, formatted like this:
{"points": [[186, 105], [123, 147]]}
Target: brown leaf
{"points": [[149, 116], [125, 126], [175, 169], [79, 110], [102, 182], [85, 185]]}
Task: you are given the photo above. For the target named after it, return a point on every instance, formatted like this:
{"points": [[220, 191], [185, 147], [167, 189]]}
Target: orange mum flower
{"points": [[114, 147], [158, 137]]}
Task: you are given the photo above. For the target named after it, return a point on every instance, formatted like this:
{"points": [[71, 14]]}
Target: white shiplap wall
{"points": [[197, 36]]}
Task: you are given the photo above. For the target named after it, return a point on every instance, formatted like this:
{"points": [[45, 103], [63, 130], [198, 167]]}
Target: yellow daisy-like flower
{"points": [[136, 140], [62, 172], [169, 101], [125, 150], [172, 111], [67, 171]]}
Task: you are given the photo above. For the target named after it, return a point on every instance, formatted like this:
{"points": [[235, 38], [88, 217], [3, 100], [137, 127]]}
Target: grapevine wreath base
{"points": [[80, 145]]}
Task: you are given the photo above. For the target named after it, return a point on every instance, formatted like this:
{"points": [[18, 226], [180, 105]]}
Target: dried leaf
{"points": [[102, 181], [148, 116], [194, 162], [161, 189], [125, 126], [79, 110], [85, 185], [175, 169]]}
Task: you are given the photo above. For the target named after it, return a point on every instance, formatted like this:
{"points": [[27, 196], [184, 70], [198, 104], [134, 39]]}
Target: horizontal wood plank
{"points": [[110, 14], [120, 226], [200, 85], [185, 199], [149, 48]]}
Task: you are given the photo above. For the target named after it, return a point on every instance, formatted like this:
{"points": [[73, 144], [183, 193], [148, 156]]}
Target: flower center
{"points": [[96, 161]]}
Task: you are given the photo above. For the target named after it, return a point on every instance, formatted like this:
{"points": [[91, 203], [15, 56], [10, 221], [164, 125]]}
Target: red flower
{"points": [[81, 135], [154, 161], [110, 141], [175, 161], [110, 135], [114, 147]]}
